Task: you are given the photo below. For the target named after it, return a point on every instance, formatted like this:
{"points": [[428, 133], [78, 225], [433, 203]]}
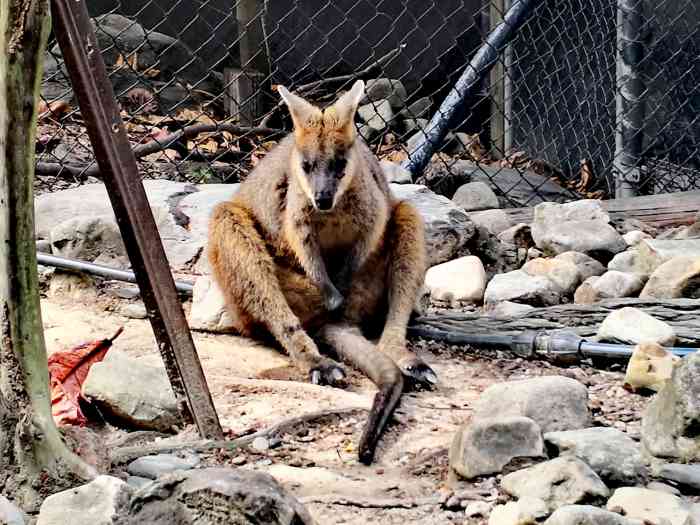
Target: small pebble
{"points": [[477, 508], [261, 444], [239, 460]]}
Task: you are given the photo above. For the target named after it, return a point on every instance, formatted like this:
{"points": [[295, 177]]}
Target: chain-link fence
{"points": [[588, 90]]}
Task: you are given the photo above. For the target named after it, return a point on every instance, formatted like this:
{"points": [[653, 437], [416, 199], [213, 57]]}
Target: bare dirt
{"points": [[409, 481]]}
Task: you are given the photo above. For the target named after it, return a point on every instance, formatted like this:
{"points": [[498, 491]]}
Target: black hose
{"points": [[96, 269]]}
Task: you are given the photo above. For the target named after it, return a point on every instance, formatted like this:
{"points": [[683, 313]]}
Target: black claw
{"points": [[420, 374], [327, 374]]}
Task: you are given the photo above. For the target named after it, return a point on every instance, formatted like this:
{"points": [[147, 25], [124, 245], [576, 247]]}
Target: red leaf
{"points": [[67, 372]]}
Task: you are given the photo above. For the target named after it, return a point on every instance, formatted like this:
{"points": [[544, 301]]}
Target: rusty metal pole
{"points": [[98, 107]]}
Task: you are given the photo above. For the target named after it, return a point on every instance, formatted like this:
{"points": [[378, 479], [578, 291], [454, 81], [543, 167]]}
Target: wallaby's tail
{"points": [[357, 351]]}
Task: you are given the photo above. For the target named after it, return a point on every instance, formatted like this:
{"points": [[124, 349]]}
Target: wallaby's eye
{"points": [[307, 166], [337, 166]]}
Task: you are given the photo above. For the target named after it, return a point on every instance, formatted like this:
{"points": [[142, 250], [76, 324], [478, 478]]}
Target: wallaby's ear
{"points": [[346, 106], [304, 114]]}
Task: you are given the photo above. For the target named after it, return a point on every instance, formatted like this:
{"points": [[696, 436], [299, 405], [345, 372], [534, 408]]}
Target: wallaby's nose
{"points": [[324, 202]]}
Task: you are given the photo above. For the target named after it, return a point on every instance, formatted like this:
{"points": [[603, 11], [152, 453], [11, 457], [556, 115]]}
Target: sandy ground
{"points": [[319, 464]]}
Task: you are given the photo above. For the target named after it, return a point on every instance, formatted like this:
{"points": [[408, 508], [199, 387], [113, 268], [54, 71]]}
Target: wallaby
{"points": [[314, 250]]}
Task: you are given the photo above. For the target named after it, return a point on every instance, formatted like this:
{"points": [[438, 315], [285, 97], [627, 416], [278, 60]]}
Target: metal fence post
{"points": [[629, 128], [113, 153], [480, 64]]}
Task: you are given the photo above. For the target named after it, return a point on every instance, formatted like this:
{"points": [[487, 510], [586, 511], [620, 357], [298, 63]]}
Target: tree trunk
{"points": [[34, 460]]}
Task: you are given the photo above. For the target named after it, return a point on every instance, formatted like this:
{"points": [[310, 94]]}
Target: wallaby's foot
{"points": [[332, 297], [327, 372], [418, 372]]}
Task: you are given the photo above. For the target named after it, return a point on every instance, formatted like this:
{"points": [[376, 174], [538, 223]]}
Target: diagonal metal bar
{"points": [[478, 67], [117, 163]]}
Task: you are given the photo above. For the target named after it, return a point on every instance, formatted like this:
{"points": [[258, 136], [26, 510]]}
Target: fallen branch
{"points": [[311, 87], [87, 170], [126, 454], [374, 503]]}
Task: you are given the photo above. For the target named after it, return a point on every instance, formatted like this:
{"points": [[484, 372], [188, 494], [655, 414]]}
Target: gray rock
{"points": [[631, 326], [96, 503], [377, 115], [412, 125], [586, 293], [663, 487], [560, 481], [447, 228], [215, 495], [564, 274], [385, 88], [587, 266], [131, 393], [486, 445], [612, 285], [495, 221], [655, 252], [625, 262], [395, 172], [153, 467], [43, 246], [419, 109], [136, 482], [634, 237], [671, 420], [519, 235], [508, 310], [685, 475], [9, 513], [88, 238], [459, 280], [678, 277], [613, 455], [580, 226], [525, 511], [134, 311], [654, 507], [209, 312], [478, 509], [57, 207], [553, 402], [586, 515], [475, 196], [519, 287]]}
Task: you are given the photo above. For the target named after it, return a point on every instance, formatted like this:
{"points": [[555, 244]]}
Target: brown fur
{"points": [[282, 263]]}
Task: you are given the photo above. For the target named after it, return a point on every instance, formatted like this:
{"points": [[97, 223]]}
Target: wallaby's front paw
{"points": [[419, 373], [333, 298], [328, 372]]}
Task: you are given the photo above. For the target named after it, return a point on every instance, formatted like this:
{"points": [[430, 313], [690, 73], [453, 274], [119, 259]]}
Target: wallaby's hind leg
{"points": [[403, 258], [357, 351], [246, 273]]}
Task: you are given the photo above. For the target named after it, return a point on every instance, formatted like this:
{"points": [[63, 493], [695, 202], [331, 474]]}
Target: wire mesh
{"points": [[197, 78]]}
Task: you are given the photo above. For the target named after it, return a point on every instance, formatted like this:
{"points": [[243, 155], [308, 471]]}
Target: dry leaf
{"points": [[55, 109], [67, 371]]}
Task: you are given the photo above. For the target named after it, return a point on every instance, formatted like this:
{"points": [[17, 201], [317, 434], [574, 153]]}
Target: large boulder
{"points": [[131, 393], [587, 266], [525, 511], [209, 312], [654, 507], [630, 325], [581, 226], [459, 280], [475, 196], [447, 228], [377, 115], [652, 253], [96, 503], [678, 277], [215, 495], [612, 454], [560, 481], [553, 402], [586, 515], [520, 287], [565, 274], [89, 238], [485, 446], [671, 422]]}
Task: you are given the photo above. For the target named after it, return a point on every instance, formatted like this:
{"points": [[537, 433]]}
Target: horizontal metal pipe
{"points": [[97, 269]]}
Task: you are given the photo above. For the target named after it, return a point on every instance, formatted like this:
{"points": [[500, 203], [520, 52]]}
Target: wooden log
{"points": [[584, 319], [659, 210]]}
